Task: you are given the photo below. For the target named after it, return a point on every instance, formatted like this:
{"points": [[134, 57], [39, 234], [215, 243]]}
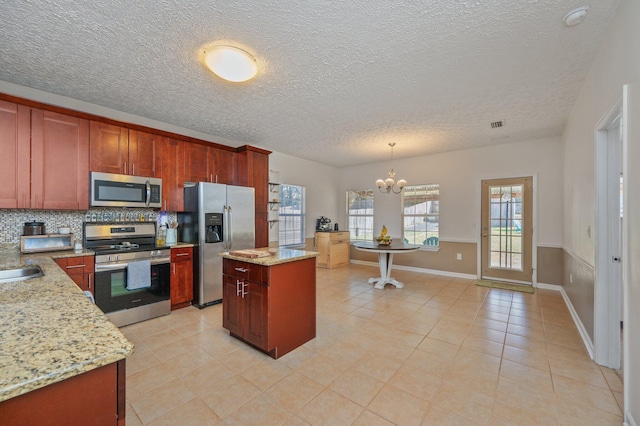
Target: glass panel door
{"points": [[506, 229]]}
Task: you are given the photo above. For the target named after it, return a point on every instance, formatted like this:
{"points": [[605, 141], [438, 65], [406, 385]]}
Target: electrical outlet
{"points": [[459, 256], [570, 278]]}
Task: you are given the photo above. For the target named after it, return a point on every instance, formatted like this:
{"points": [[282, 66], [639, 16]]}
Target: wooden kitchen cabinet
{"points": [[270, 307], [44, 162], [81, 270], [171, 166], [15, 145], [333, 247], [116, 149], [181, 277], [208, 164], [96, 397], [253, 170]]}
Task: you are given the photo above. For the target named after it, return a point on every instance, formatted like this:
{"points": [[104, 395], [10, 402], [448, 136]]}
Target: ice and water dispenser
{"points": [[213, 228]]}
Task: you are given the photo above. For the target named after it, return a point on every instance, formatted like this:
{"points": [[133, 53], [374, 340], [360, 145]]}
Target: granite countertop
{"points": [[276, 256], [50, 330]]}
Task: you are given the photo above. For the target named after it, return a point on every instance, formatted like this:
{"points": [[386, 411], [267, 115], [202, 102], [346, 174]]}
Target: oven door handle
{"points": [[119, 266]]}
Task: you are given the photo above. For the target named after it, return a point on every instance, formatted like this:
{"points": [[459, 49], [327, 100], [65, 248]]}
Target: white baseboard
{"points": [[581, 328], [628, 419], [421, 270], [544, 286]]}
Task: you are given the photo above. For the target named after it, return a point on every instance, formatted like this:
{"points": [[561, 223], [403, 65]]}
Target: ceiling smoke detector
{"points": [[576, 16]]}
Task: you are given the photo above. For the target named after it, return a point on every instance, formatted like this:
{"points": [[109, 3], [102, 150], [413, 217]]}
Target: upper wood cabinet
{"points": [[170, 162], [116, 149], [15, 145], [208, 164], [45, 159], [59, 161]]}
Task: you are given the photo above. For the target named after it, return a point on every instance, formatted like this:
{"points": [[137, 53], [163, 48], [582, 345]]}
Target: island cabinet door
{"points": [[232, 305], [256, 297]]}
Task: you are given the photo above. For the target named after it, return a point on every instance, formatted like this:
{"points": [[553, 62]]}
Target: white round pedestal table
{"points": [[385, 260]]}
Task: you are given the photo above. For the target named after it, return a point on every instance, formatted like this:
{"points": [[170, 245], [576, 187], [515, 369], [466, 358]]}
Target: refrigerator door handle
{"points": [[225, 229], [229, 227]]}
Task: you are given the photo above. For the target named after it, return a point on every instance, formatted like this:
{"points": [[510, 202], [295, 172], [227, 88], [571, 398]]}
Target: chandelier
{"points": [[389, 184]]}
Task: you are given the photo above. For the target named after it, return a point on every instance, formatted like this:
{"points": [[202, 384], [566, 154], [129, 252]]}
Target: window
{"points": [[420, 214], [360, 214], [291, 215]]}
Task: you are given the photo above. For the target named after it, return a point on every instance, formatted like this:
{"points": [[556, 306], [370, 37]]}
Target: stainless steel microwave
{"points": [[112, 190]]}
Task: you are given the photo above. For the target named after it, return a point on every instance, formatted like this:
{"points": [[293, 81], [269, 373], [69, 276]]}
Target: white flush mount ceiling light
{"points": [[576, 16], [389, 184], [231, 63]]}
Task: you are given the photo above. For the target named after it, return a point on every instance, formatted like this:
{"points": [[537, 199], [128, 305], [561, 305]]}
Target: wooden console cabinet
{"points": [[333, 248], [270, 307]]}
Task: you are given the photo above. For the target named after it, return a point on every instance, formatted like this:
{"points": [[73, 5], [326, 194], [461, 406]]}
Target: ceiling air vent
{"points": [[497, 124]]}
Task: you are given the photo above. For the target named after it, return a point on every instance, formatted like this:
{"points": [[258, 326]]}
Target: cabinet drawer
{"points": [[247, 271], [77, 265], [339, 236], [181, 254]]}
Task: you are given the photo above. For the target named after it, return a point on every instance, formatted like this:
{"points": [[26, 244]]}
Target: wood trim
{"points": [[121, 389], [252, 148]]}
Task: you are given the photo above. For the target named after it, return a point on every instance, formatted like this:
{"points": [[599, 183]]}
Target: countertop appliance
{"points": [[120, 247], [219, 218], [323, 224], [113, 190], [33, 228]]}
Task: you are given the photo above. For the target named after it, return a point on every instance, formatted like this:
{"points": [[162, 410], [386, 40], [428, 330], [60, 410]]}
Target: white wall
{"points": [[459, 174], [320, 181], [617, 63]]}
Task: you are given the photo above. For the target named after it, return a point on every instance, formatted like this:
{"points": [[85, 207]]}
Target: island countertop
{"points": [[50, 330], [276, 256]]}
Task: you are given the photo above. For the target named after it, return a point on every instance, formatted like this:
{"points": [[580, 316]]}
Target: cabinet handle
{"points": [[242, 270], [124, 168], [244, 293], [238, 282], [165, 205], [90, 279], [211, 178], [182, 254], [133, 168], [75, 266], [174, 268]]}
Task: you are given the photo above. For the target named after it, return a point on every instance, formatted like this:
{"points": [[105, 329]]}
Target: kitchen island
{"points": [[269, 298], [61, 360]]}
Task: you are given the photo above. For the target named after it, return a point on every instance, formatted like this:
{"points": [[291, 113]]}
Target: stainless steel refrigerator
{"points": [[217, 218]]}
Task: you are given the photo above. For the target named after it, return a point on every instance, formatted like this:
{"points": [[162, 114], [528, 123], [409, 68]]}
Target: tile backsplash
{"points": [[12, 221]]}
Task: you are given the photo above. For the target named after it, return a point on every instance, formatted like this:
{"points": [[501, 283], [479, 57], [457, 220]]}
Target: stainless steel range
{"points": [[132, 274]]}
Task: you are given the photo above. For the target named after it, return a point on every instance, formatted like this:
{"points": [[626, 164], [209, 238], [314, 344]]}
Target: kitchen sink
{"points": [[20, 274]]}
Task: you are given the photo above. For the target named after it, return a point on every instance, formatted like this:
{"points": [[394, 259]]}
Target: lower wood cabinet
{"points": [[96, 397], [81, 270], [270, 307], [181, 277], [333, 248]]}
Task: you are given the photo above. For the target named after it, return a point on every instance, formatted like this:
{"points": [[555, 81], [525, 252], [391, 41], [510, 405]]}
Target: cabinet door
{"points": [[142, 154], [15, 134], [181, 275], [172, 175], [255, 314], [232, 305], [223, 166], [196, 161], [109, 148], [59, 161]]}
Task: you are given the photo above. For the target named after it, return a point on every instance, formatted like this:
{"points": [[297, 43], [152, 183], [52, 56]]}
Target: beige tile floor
{"points": [[440, 351]]}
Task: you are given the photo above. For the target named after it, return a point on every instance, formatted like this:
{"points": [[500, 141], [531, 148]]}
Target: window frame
{"points": [[282, 222], [368, 217], [429, 213]]}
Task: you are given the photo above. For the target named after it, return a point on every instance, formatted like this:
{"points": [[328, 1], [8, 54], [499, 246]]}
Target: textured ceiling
{"points": [[339, 80]]}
